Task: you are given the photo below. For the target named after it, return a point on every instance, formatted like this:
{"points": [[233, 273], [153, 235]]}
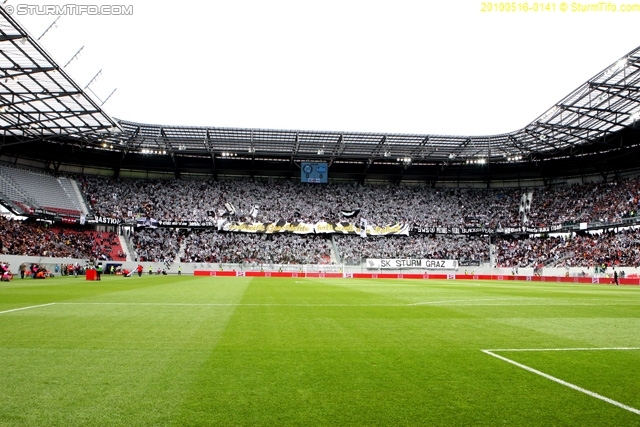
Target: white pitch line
{"points": [[170, 304], [565, 349], [163, 304], [564, 383], [460, 300], [547, 304], [462, 303], [26, 308]]}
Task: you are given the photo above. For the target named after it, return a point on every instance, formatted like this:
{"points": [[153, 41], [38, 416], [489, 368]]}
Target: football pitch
{"points": [[201, 351]]}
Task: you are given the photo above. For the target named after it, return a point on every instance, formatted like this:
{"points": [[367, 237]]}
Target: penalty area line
{"points": [[26, 308], [564, 383]]}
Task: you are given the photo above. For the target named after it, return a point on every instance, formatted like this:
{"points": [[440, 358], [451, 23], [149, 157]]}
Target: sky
{"points": [[461, 67]]}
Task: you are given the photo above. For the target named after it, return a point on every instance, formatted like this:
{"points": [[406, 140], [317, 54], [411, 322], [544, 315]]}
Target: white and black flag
{"points": [[231, 210], [146, 222], [254, 211], [363, 227], [350, 213]]}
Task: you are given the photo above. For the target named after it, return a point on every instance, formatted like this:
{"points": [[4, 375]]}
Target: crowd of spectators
{"points": [[41, 239], [291, 201], [156, 244], [417, 206], [583, 250], [590, 202], [620, 248], [217, 247], [354, 249], [212, 246], [275, 200]]}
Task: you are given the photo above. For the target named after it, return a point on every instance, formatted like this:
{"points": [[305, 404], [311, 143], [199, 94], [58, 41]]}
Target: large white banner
{"points": [[308, 228], [399, 263]]}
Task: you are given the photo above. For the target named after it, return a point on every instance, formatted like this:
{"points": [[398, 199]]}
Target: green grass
{"points": [[187, 351]]}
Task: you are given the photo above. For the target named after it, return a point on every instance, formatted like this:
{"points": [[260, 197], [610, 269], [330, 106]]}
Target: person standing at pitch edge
{"points": [[179, 270], [615, 277]]}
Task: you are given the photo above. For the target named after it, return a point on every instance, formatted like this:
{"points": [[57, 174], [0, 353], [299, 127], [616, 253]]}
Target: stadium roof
{"points": [[39, 102], [37, 98], [601, 107]]}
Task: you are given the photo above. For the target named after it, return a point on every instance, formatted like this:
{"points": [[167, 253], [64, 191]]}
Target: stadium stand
{"points": [[292, 201], [610, 249], [31, 190], [608, 204], [39, 239], [214, 247], [419, 206], [158, 245], [354, 249], [13, 195]]}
